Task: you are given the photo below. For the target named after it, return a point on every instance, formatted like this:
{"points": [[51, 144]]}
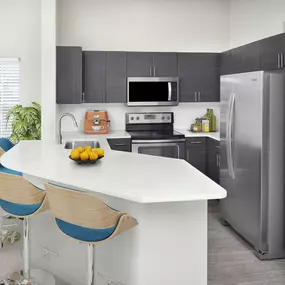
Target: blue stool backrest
{"points": [[77, 212], [5, 145], [19, 195]]}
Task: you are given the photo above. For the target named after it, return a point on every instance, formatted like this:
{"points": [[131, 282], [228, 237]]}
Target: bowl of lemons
{"points": [[86, 155]]}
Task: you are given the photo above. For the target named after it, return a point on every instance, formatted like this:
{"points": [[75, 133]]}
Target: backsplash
{"points": [[184, 114]]}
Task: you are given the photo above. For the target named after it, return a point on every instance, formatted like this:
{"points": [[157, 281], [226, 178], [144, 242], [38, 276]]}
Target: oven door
{"points": [[165, 148]]}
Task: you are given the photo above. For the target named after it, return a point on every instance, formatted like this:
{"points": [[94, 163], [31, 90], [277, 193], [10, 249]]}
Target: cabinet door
{"points": [[246, 58], [209, 77], [188, 76], [116, 77], [271, 48], [226, 63], [197, 158], [120, 144], [213, 159], [165, 64], [139, 64], [68, 75], [94, 76], [196, 152]]}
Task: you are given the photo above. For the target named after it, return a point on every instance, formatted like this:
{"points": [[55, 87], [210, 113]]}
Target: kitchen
{"points": [[94, 69]]}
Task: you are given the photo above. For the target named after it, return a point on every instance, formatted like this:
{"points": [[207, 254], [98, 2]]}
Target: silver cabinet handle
{"points": [[119, 144], [279, 60], [196, 142], [154, 71], [199, 98], [83, 97], [217, 160], [150, 71], [195, 96]]}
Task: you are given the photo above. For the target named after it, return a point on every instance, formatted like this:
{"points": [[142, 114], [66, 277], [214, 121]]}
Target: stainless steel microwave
{"points": [[152, 91]]}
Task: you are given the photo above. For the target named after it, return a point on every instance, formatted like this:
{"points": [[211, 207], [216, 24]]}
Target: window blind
{"points": [[9, 91]]}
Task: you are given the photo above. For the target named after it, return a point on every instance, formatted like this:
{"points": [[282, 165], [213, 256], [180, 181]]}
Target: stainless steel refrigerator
{"points": [[252, 159]]}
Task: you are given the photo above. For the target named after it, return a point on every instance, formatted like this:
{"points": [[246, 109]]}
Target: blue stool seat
{"points": [[10, 171], [19, 209], [84, 234]]}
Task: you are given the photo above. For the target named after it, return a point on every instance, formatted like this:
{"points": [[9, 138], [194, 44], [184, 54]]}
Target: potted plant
{"points": [[26, 122]]}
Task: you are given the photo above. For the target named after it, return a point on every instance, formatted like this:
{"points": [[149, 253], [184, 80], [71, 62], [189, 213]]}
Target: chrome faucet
{"points": [[74, 122]]}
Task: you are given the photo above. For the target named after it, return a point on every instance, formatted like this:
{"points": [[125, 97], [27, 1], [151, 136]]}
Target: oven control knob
{"points": [[137, 118], [168, 118], [162, 118], [132, 118]]}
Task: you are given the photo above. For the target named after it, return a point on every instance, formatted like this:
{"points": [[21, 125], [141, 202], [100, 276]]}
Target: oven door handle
{"points": [[157, 141]]}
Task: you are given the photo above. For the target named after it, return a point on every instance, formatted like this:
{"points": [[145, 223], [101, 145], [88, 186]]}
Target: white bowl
{"points": [[96, 128]]}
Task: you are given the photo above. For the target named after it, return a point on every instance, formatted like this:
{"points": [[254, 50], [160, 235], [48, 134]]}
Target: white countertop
{"points": [[135, 177], [189, 134]]}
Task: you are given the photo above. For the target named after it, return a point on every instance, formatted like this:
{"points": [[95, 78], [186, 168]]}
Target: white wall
{"points": [[252, 20], [151, 25], [20, 27], [185, 113], [48, 69]]}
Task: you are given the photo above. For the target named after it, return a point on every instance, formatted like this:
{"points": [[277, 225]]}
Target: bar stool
{"points": [[21, 199], [86, 219]]}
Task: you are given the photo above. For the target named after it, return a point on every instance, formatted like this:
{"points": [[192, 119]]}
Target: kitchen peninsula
{"points": [[167, 196]]}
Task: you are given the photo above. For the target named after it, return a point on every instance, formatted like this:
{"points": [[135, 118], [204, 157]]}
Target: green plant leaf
{"points": [[26, 122]]}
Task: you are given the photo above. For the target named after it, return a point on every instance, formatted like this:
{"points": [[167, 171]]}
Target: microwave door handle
{"points": [[169, 91]]}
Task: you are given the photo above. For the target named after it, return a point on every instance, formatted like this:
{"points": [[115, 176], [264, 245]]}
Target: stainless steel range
{"points": [[153, 134]]}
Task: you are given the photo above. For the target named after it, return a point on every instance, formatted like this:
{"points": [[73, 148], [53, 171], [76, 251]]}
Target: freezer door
{"points": [[242, 207]]}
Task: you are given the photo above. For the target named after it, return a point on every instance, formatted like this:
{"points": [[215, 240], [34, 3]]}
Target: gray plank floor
{"points": [[232, 262]]}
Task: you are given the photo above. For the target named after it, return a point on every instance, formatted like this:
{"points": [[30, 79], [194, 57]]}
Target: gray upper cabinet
{"points": [[152, 64], [68, 75], [273, 52], [209, 77], [116, 77], [94, 76], [199, 77], [139, 64], [165, 64]]}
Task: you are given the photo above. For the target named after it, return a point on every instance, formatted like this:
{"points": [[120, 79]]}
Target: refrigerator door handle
{"points": [[229, 136]]}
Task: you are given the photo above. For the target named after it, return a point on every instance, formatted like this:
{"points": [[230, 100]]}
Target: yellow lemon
{"points": [[93, 155], [80, 149], [99, 151], [75, 154], [84, 156], [88, 148]]}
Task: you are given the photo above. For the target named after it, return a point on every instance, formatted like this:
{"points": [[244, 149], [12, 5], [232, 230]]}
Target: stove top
{"points": [[155, 135]]}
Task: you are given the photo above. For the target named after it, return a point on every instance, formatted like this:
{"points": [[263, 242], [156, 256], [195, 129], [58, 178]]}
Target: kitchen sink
{"points": [[75, 144]]}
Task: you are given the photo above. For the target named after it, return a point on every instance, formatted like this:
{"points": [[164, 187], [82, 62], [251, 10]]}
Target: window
{"points": [[9, 91]]}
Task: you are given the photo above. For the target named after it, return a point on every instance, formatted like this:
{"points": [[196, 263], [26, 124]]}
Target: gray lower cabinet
{"points": [[199, 75], [273, 52], [139, 64], [116, 81], [94, 76], [196, 153], [165, 64], [120, 144], [213, 159], [68, 75]]}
